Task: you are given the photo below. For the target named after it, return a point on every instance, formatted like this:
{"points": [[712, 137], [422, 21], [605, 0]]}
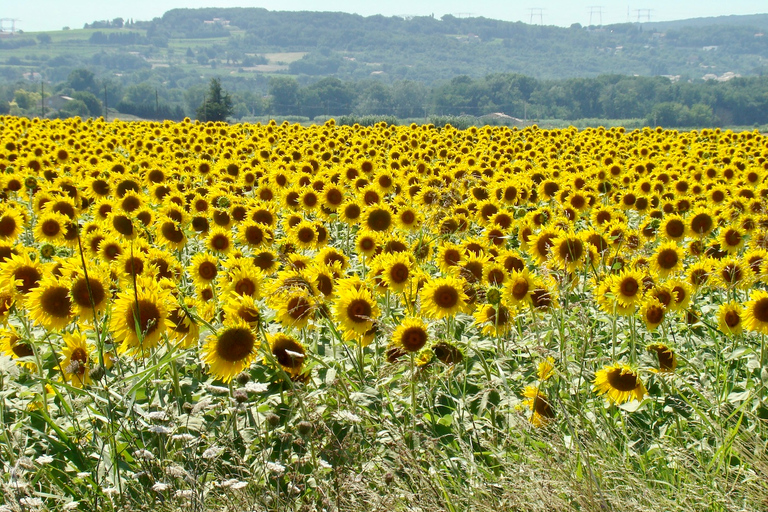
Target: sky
{"points": [[37, 15]]}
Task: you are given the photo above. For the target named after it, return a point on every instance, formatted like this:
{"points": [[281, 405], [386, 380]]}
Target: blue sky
{"points": [[54, 14]]}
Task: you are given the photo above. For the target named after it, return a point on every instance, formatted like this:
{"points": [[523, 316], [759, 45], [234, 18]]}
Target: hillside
{"points": [[249, 42]]}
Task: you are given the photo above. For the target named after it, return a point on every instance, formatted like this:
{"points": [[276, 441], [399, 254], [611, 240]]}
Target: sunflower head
{"points": [[230, 350], [619, 383]]}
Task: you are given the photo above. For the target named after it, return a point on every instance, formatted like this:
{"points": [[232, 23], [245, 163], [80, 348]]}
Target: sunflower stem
{"points": [[412, 358]]}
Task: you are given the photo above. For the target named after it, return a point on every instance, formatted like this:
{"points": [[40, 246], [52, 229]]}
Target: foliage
{"points": [[217, 104]]}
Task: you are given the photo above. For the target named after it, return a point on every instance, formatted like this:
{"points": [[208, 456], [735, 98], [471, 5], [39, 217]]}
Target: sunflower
{"points": [[356, 311], [628, 287], [50, 305], [76, 363], [219, 240], [495, 319], [541, 244], [756, 312], [568, 251], [182, 327], [519, 286], [289, 353], [367, 242], [22, 272], [449, 255], [731, 239], [730, 318], [619, 383], [667, 259], [673, 228], [13, 346], [443, 297], [665, 355], [50, 228], [698, 273], [231, 350], [681, 292], [701, 222], [396, 270], [139, 317], [409, 218], [733, 273], [254, 234], [11, 224], [294, 307], [169, 233], [652, 312], [539, 405], [546, 369], [7, 300], [203, 268], [243, 280], [243, 307], [410, 336]]}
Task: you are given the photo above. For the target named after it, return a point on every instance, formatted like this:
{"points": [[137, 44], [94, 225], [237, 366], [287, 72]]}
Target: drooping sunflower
{"points": [[13, 346], [50, 305], [619, 383], [139, 316], [169, 233], [76, 362], [652, 312], [665, 355], [756, 312], [494, 319], [356, 310], [289, 353], [443, 297], [540, 406], [243, 307], [411, 335], [182, 326], [231, 350]]}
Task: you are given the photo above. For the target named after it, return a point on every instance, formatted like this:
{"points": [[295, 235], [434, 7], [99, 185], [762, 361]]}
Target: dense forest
{"points": [[310, 64]]}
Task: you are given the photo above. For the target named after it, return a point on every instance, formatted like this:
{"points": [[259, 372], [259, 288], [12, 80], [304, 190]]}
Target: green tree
{"points": [[217, 105]]}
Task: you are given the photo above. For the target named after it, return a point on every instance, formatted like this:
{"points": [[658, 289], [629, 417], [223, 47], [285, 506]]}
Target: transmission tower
{"points": [[643, 14], [12, 21], [597, 12], [536, 12]]}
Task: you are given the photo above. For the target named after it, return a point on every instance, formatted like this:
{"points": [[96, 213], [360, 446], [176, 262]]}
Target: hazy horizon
{"points": [[40, 15]]}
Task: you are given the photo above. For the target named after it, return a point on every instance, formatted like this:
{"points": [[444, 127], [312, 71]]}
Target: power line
{"points": [[596, 10], [536, 12]]}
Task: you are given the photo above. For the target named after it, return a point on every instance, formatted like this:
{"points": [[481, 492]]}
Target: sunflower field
{"points": [[207, 316]]}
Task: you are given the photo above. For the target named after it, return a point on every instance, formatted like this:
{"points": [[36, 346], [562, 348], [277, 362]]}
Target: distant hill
{"points": [[750, 20]]}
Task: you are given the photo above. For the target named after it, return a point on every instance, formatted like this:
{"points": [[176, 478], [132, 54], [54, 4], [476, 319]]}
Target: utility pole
{"points": [[42, 98], [106, 106], [157, 104]]}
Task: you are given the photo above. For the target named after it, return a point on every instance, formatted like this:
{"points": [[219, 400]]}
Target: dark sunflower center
{"points": [[179, 318], [122, 225], [359, 311], [446, 297], [134, 266], [21, 349], [413, 339], [571, 250], [7, 226], [622, 381], [675, 228], [82, 357], [473, 271], [399, 273], [497, 315], [520, 289], [699, 276], [280, 351], [299, 307], [544, 243], [29, 277], [667, 259], [254, 235], [207, 270], [145, 314], [732, 319], [732, 237], [112, 251], [235, 344], [407, 217], [51, 228], [220, 242], [452, 257], [541, 298], [701, 223], [731, 273], [334, 197], [760, 310], [306, 235], [250, 315], [496, 277], [79, 292], [55, 302], [172, 233], [666, 359], [446, 353], [379, 220], [542, 406], [654, 315], [629, 287], [245, 286]]}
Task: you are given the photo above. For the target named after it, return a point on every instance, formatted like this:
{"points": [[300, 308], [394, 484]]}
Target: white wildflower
{"points": [[201, 406], [160, 487], [159, 429], [256, 387], [239, 484], [31, 502], [221, 390], [176, 471], [44, 459], [183, 494], [347, 416], [83, 474], [324, 464], [276, 467], [186, 437], [212, 452], [158, 416], [143, 454], [72, 505], [111, 491]]}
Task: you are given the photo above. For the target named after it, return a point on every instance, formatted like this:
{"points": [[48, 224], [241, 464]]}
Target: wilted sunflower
{"points": [[76, 363], [50, 305], [411, 335], [756, 312], [139, 316], [443, 297], [231, 350], [539, 405], [619, 383], [665, 355], [288, 352]]}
